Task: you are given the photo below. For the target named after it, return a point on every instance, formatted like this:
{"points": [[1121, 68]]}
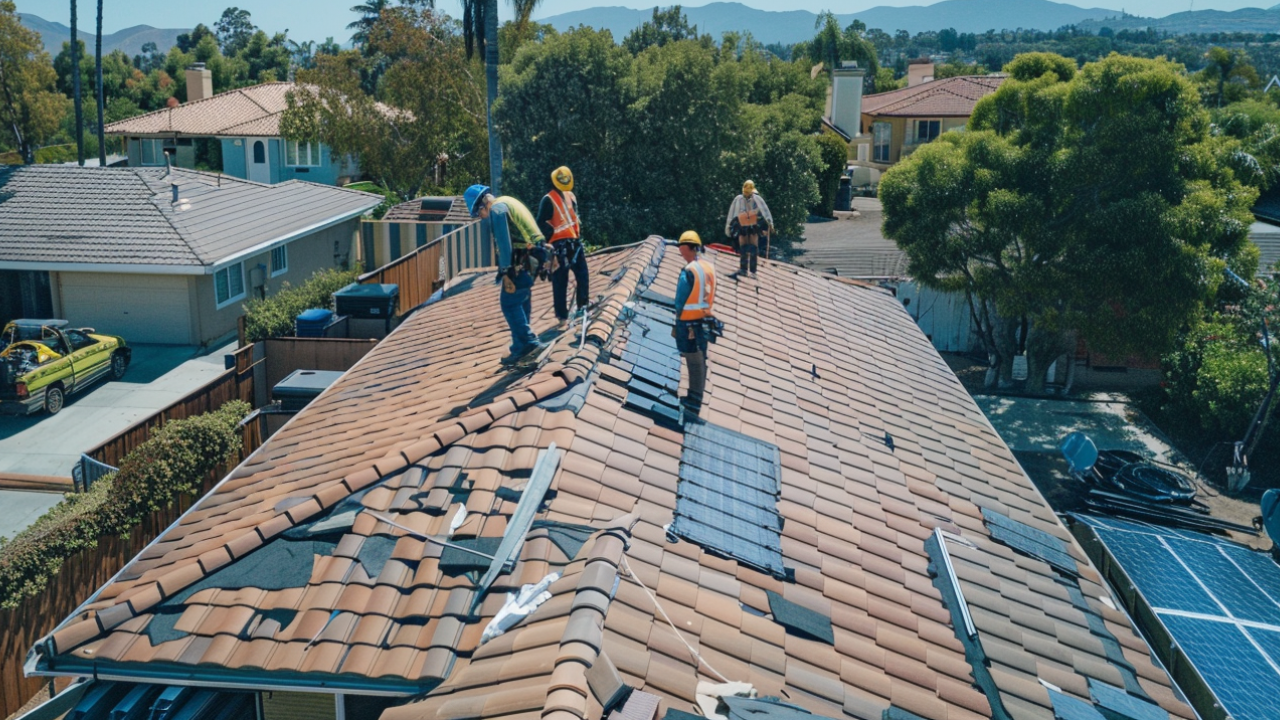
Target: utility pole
{"points": [[102, 141], [75, 85]]}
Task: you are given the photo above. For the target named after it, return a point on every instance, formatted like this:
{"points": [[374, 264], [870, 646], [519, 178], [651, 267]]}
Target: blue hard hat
{"points": [[472, 197]]}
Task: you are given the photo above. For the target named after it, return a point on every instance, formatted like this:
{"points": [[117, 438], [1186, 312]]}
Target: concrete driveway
{"points": [[1038, 425], [51, 445]]}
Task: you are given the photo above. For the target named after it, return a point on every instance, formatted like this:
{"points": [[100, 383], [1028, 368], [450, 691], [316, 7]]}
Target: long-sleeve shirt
{"points": [[743, 204], [547, 210], [504, 217], [684, 288]]}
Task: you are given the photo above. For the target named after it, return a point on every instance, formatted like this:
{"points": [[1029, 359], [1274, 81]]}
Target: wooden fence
{"points": [[428, 268], [285, 355], [234, 384]]}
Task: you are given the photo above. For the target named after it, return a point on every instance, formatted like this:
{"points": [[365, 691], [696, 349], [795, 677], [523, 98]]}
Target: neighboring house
{"points": [[410, 225], [245, 123], [899, 121], [162, 256], [1265, 233], [842, 531]]}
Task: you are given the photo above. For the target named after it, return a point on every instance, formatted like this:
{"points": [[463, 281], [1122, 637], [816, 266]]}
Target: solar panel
{"points": [[1029, 541], [1122, 703], [1066, 707], [652, 362], [1220, 602], [726, 500]]}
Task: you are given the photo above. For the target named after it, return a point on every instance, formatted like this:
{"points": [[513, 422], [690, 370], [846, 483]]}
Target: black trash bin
{"points": [[844, 196]]}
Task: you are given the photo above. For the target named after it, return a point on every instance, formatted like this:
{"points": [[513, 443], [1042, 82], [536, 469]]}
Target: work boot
{"points": [[530, 351]]}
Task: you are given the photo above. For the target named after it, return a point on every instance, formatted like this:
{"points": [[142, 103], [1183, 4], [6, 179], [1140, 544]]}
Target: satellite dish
{"points": [[1271, 514], [1080, 452]]}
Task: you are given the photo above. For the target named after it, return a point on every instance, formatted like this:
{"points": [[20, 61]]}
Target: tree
{"points": [[187, 42], [75, 79], [97, 56], [1254, 126], [30, 105], [369, 11], [234, 29], [426, 120], [1224, 66], [666, 26], [480, 27], [1091, 203], [831, 46]]}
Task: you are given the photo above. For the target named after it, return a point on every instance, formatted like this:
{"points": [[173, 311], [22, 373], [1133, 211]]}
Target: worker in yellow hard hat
{"points": [[695, 296], [748, 217], [559, 223]]}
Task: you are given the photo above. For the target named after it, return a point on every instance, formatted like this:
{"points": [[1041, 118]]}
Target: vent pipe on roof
{"points": [[174, 187]]}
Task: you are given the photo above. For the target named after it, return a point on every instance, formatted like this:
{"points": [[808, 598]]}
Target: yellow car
{"points": [[43, 361]]}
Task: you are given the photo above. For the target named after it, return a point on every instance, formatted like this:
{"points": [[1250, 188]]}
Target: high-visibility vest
{"points": [[703, 295], [564, 219], [526, 233]]}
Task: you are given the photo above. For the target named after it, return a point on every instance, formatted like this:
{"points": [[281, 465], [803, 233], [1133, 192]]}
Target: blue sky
{"points": [[317, 19]]}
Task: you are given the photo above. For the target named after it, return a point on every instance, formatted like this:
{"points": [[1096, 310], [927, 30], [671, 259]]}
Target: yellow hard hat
{"points": [[689, 237], [562, 178], [748, 187]]}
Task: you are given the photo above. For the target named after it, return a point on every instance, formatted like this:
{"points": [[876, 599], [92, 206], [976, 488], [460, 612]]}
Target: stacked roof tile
{"points": [[949, 97], [880, 452], [53, 214]]}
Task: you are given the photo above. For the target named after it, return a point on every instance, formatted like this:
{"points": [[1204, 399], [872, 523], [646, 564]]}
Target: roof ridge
{"points": [[182, 236], [142, 597], [193, 103]]}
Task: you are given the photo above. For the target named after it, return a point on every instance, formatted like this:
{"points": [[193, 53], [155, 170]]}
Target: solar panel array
{"points": [[727, 497], [1220, 601], [651, 358]]}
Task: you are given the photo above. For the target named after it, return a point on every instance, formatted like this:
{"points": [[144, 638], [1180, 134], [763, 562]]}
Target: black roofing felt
{"points": [[727, 496], [278, 565], [765, 708], [374, 553], [454, 561], [568, 537], [800, 619]]}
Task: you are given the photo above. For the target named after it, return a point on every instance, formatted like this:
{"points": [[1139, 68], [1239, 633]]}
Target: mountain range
{"points": [[130, 40], [1252, 20], [792, 26]]}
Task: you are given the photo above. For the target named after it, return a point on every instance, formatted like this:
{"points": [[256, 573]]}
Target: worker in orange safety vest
{"points": [[558, 221], [695, 296]]}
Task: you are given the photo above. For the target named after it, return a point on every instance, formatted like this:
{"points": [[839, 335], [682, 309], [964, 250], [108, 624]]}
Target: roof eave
{"points": [[124, 268], [267, 245]]}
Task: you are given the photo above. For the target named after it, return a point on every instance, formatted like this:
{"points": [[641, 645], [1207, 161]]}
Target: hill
{"points": [[796, 25], [1249, 20], [130, 40]]}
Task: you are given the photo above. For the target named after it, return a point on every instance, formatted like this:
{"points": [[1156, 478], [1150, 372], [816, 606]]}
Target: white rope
{"points": [[636, 578]]}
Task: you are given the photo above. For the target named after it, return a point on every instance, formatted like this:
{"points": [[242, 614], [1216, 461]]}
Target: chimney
{"points": [[846, 98], [199, 82], [919, 71]]}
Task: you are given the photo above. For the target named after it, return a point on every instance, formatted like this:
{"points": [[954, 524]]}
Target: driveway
{"points": [[158, 376]]}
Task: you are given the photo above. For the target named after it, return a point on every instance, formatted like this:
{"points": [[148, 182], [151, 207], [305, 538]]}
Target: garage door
{"points": [[140, 308]]}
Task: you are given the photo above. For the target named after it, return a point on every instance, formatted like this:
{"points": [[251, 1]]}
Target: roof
{"points": [[1267, 237], [250, 111], [853, 247], [427, 209], [948, 97], [882, 463], [54, 216]]}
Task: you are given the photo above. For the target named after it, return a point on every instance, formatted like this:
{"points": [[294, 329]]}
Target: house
{"points": [[899, 121], [1265, 232], [162, 256], [411, 225], [241, 127], [842, 531]]}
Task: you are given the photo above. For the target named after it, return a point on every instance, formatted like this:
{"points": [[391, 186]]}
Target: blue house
{"points": [[238, 129]]}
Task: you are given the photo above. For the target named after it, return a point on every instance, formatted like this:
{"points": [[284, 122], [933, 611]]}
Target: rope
{"points": [[626, 567]]}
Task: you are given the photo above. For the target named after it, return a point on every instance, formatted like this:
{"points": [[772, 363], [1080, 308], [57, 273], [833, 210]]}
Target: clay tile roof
{"points": [[249, 111], [949, 97], [308, 563], [413, 210]]}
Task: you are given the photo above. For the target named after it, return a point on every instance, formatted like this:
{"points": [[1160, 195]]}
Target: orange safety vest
{"points": [[703, 295], [564, 219]]}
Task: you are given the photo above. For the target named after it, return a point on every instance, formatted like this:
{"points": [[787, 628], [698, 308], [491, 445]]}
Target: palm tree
{"points": [[102, 142], [75, 85], [480, 26], [369, 13], [524, 9]]}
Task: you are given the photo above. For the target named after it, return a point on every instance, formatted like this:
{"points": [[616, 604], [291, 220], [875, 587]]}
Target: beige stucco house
{"points": [[895, 123], [158, 255]]}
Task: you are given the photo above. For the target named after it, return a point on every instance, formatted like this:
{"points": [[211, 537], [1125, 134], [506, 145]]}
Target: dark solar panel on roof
{"points": [[800, 619], [1122, 703], [1066, 707], [653, 363], [1029, 541], [726, 500]]}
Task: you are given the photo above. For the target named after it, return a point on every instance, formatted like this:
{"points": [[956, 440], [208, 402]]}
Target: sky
{"points": [[317, 19]]}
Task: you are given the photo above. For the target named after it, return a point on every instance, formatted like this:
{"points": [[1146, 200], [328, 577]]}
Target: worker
{"points": [[559, 223], [516, 235], [748, 216], [695, 296]]}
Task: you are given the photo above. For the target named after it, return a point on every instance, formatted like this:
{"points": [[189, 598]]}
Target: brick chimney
{"points": [[846, 98], [199, 82]]}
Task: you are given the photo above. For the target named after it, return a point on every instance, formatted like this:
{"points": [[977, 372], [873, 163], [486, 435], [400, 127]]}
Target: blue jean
{"points": [[517, 308]]}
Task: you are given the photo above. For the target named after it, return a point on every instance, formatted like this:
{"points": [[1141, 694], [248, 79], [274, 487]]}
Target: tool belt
{"points": [[711, 326], [565, 253]]}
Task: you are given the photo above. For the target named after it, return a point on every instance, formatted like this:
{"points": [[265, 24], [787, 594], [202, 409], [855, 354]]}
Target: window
{"points": [[279, 260], [301, 154], [927, 130], [79, 340], [881, 133], [228, 284], [152, 151], [259, 152]]}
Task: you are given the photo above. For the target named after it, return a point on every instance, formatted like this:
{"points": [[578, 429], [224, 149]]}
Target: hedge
{"points": [[173, 461], [274, 316], [835, 158]]}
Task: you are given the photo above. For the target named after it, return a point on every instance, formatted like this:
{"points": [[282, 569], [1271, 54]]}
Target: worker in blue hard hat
{"points": [[520, 257]]}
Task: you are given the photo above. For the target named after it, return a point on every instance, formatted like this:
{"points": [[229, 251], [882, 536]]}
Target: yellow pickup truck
{"points": [[43, 361]]}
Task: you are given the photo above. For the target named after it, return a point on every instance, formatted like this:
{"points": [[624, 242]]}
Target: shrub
{"points": [[174, 460], [835, 156], [274, 316]]}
